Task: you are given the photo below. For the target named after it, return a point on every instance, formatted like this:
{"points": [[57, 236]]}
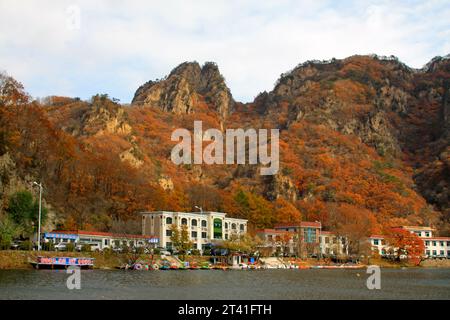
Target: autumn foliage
{"points": [[347, 154]]}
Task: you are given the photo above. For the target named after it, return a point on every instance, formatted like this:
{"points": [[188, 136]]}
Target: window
{"points": [[226, 225], [194, 234], [427, 234], [418, 233], [448, 243], [217, 228], [226, 236], [242, 227], [427, 243], [434, 243], [233, 226], [106, 242], [194, 222], [204, 236], [169, 245], [441, 253], [434, 252], [169, 233], [441, 243], [184, 221], [428, 252], [448, 253], [327, 240], [309, 235], [168, 220], [204, 223], [375, 242]]}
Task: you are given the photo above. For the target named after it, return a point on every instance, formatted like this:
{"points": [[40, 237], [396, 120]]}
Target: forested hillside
{"points": [[364, 144]]}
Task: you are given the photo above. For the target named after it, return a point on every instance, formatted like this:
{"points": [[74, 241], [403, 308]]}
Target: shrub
{"points": [[48, 246], [26, 245], [86, 248], [70, 247]]}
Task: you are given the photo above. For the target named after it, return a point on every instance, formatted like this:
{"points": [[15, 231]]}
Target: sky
{"points": [[81, 48]]}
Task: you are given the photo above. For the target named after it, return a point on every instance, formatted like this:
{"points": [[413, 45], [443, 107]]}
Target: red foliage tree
{"points": [[408, 244]]}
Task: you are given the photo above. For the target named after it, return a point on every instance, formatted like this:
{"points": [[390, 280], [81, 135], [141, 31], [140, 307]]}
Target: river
{"points": [[214, 284]]}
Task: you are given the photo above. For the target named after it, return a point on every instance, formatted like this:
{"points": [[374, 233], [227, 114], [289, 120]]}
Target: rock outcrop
{"points": [[185, 87]]}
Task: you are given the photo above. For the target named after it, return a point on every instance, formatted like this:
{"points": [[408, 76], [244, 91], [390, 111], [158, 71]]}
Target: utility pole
{"points": [[40, 213]]}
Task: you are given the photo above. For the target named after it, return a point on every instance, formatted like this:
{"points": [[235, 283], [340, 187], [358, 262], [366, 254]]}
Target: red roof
{"points": [[269, 231], [315, 224], [106, 234]]}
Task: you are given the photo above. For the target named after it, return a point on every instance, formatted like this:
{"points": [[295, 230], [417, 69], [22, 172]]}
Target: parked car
{"points": [[165, 253], [117, 249], [15, 245], [61, 246]]}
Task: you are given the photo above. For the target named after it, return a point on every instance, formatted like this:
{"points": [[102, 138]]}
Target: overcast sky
{"points": [[115, 46]]}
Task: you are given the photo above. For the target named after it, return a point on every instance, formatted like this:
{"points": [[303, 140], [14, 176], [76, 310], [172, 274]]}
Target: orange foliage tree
{"points": [[406, 244]]}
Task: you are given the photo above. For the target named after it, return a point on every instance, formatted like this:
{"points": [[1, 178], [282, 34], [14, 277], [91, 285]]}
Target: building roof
{"points": [[437, 238], [418, 228], [327, 233], [105, 234], [314, 224], [269, 231], [376, 236]]}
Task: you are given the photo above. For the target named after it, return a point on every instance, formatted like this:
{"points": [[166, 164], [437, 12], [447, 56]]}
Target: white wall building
{"points": [[203, 227], [435, 247]]}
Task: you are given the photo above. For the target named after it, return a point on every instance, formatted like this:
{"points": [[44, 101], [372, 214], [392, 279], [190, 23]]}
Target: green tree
{"points": [[175, 236], [8, 231], [25, 212], [20, 206], [180, 239]]}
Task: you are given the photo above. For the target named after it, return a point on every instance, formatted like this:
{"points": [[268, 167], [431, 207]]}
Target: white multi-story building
{"points": [[435, 247], [203, 227]]}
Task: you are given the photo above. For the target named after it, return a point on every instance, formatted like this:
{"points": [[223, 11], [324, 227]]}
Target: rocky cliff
{"points": [[185, 87]]}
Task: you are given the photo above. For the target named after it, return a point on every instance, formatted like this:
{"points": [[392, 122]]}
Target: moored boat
{"points": [[62, 262]]}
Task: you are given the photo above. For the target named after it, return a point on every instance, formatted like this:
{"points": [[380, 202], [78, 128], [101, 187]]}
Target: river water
{"points": [[214, 284]]}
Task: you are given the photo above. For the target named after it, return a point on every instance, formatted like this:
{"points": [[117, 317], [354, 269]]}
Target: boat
{"points": [[62, 262], [205, 266]]}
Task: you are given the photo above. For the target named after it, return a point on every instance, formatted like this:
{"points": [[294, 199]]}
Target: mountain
{"points": [[364, 142]]}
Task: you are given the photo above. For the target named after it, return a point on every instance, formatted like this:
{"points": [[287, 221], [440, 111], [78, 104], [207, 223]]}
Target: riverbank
{"points": [[16, 260], [20, 260]]}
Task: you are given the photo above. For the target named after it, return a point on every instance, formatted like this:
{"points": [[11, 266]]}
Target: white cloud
{"points": [[122, 44]]}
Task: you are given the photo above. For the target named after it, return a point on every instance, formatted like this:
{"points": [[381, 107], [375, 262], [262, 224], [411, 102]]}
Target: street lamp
{"points": [[40, 212], [199, 208]]}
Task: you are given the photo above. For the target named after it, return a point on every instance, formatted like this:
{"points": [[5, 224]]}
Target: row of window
{"points": [[419, 233], [204, 223], [441, 253], [194, 235], [434, 243]]}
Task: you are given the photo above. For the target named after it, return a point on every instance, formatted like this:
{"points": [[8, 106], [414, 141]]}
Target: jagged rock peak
{"points": [[186, 85]]}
